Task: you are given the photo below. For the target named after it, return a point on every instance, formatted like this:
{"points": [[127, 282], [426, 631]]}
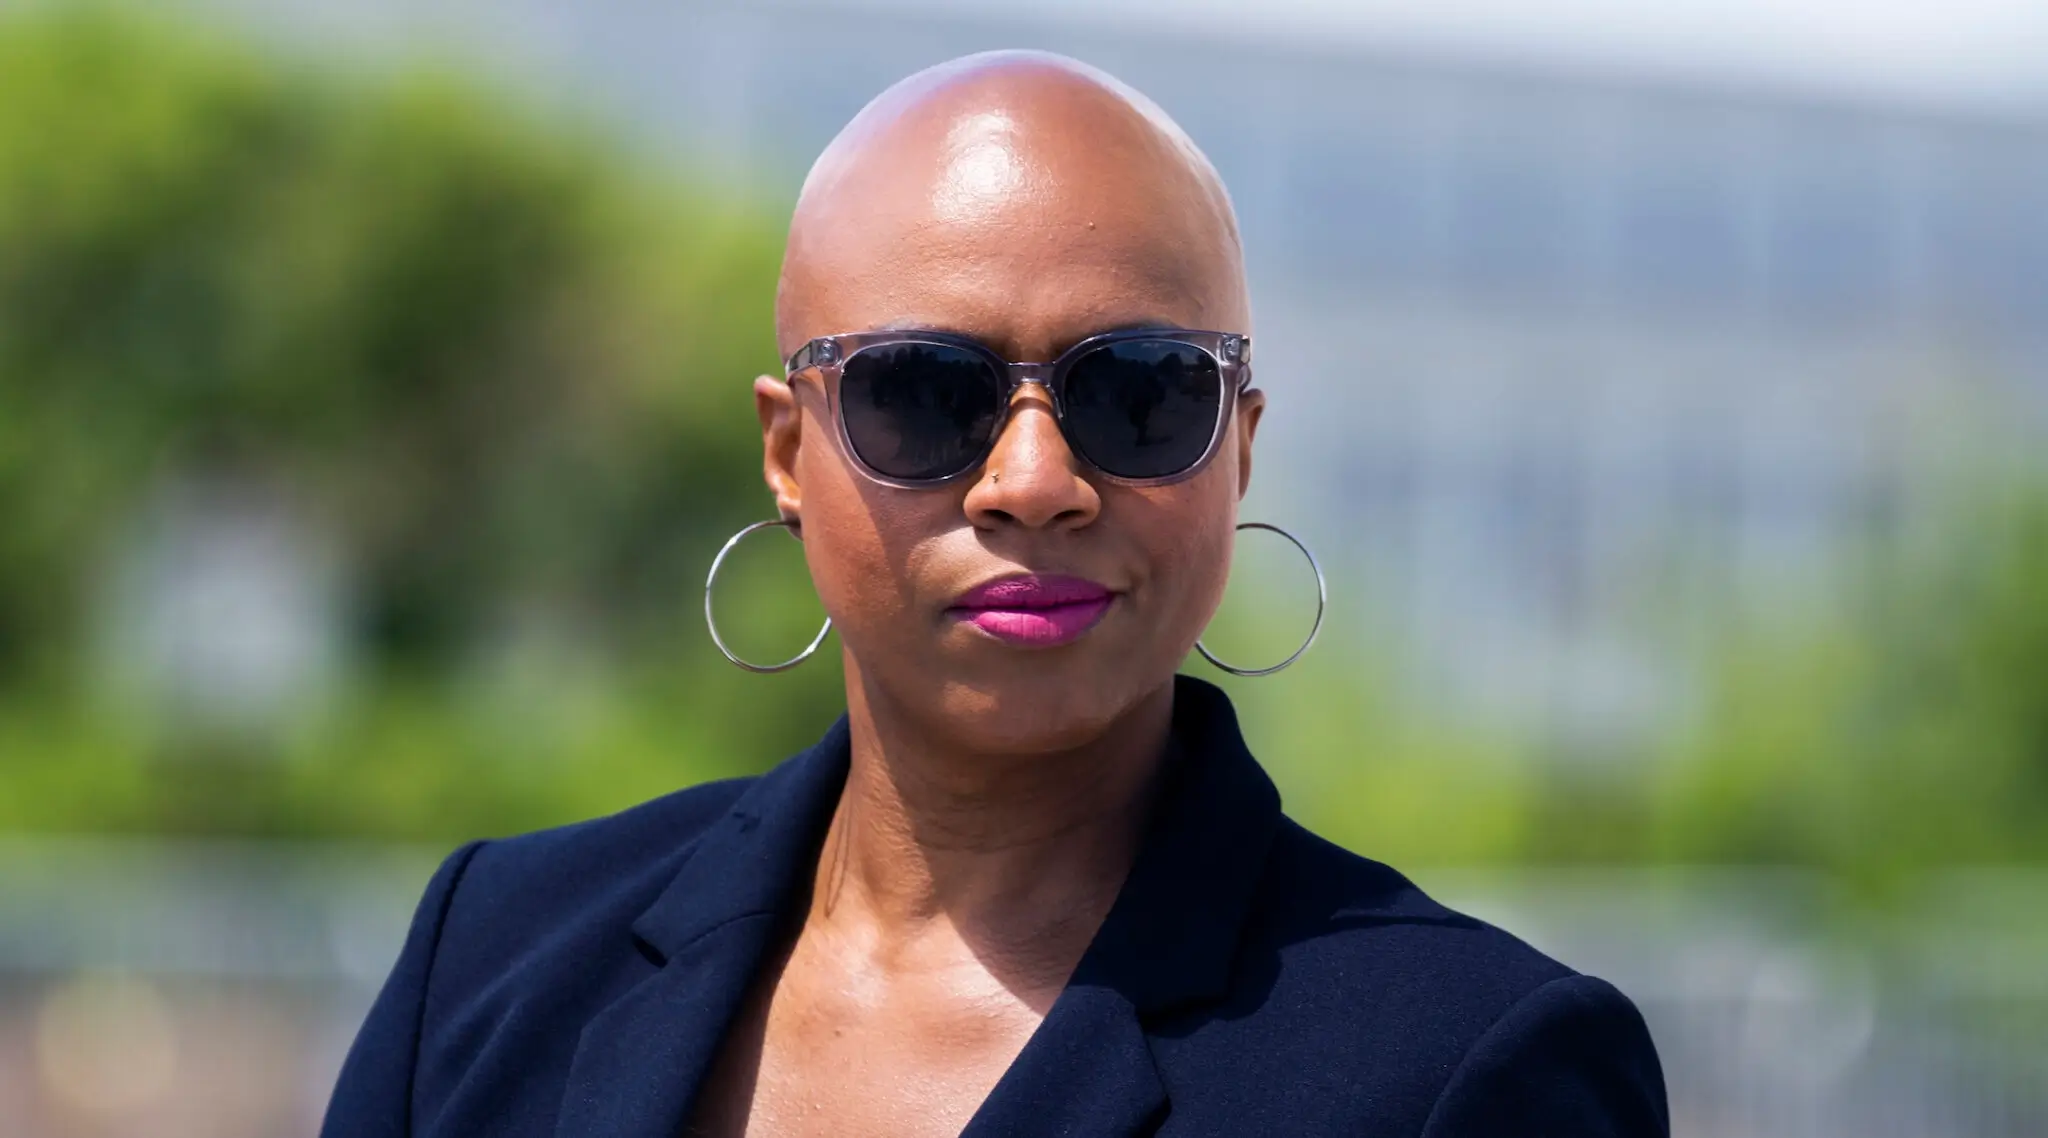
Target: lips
{"points": [[1034, 611]]}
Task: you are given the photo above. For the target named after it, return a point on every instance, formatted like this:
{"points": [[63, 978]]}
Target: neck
{"points": [[1018, 854]]}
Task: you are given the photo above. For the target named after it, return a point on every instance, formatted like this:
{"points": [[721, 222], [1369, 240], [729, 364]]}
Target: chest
{"points": [[822, 1047]]}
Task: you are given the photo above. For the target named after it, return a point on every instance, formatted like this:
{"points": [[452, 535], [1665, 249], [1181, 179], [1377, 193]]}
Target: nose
{"points": [[1032, 477]]}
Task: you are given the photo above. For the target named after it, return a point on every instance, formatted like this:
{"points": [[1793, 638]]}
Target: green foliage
{"points": [[1910, 738], [501, 363], [503, 366], [1918, 737]]}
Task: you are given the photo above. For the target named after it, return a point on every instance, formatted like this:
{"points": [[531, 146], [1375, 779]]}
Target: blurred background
{"points": [[1664, 386]]}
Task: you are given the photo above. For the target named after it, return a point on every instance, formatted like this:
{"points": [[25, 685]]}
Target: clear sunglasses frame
{"points": [[829, 355]]}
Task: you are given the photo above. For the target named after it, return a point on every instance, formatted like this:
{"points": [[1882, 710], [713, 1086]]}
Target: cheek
{"points": [[1188, 534], [841, 542], [1209, 572], [1210, 530], [861, 542]]}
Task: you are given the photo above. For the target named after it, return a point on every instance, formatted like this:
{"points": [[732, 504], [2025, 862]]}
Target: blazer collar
{"points": [[755, 858], [639, 1061], [1172, 935], [1168, 942]]}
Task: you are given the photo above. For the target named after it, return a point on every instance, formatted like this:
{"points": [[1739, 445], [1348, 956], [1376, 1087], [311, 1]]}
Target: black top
{"points": [[1251, 979]]}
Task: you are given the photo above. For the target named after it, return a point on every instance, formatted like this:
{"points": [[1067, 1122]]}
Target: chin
{"points": [[1039, 711]]}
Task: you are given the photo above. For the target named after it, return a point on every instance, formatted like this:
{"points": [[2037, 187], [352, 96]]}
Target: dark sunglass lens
{"points": [[919, 411], [1143, 408]]}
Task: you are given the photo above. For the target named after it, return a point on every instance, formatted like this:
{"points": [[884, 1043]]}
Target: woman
{"points": [[1031, 883]]}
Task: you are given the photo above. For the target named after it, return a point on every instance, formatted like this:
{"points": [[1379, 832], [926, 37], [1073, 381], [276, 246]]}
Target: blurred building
{"points": [[1575, 355]]}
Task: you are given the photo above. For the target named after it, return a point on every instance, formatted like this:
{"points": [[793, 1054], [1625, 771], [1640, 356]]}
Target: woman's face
{"points": [[1028, 236]]}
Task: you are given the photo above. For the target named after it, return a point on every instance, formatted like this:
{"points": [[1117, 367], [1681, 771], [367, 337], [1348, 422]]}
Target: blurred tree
{"points": [[1912, 737], [500, 368], [501, 365], [1917, 737]]}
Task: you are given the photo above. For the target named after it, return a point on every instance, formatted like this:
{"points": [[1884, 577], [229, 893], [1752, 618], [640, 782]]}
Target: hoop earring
{"points": [[712, 624], [1322, 598]]}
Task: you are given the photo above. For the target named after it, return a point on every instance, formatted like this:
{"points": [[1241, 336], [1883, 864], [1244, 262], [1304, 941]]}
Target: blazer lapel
{"points": [[639, 1062], [1087, 1071], [1167, 945]]}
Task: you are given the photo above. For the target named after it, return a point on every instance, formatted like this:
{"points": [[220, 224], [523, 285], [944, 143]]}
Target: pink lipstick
{"points": [[1039, 612]]}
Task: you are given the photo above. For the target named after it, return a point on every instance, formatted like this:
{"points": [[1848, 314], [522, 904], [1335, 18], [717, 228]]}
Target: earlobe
{"points": [[782, 419], [1250, 406]]}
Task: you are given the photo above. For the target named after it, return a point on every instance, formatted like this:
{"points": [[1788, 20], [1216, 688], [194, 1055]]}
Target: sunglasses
{"points": [[1140, 406]]}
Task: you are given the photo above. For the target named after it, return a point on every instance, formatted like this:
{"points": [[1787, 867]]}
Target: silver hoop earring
{"points": [[712, 624], [1322, 598]]}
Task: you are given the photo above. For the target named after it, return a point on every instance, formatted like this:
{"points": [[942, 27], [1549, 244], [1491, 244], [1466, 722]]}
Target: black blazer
{"points": [[1251, 979]]}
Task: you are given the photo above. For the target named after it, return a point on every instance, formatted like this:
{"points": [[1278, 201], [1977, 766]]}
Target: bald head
{"points": [[1022, 198]]}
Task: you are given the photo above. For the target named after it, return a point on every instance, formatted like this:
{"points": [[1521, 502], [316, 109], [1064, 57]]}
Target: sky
{"points": [[1986, 54], [1982, 55]]}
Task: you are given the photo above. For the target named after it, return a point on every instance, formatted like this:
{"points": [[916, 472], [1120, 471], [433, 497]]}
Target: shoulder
{"points": [[619, 860], [1572, 1057], [568, 885], [1328, 909], [651, 832], [1378, 1004], [516, 943]]}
